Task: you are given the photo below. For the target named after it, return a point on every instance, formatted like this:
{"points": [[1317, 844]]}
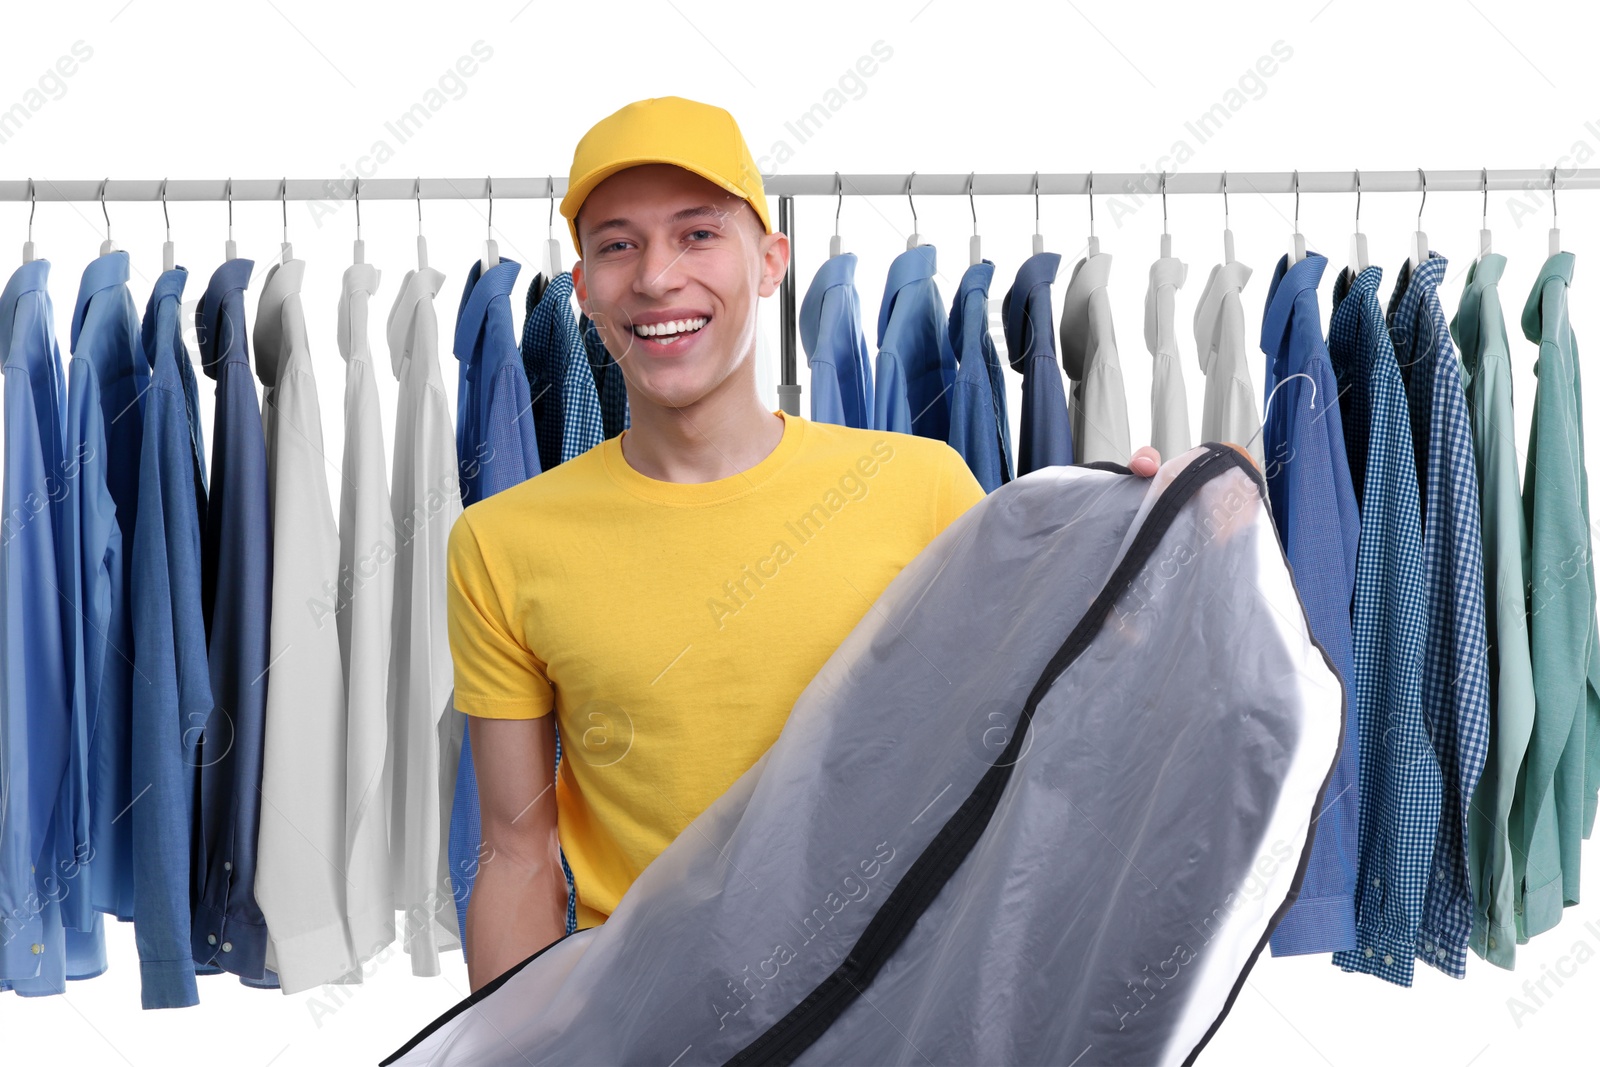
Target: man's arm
{"points": [[519, 902]]}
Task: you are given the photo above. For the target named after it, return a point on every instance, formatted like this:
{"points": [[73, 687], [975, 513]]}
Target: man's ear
{"points": [[580, 287], [774, 261]]}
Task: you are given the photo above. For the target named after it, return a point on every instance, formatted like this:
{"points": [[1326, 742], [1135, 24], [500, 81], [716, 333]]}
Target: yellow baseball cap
{"points": [[700, 138]]}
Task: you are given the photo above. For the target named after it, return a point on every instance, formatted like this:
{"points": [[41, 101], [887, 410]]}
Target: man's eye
{"points": [[700, 234], [614, 245]]}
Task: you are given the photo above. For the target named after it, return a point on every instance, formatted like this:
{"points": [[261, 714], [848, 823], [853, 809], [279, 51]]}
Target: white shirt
{"points": [[300, 877], [1099, 404], [1169, 401], [424, 735], [365, 609], [1229, 411]]}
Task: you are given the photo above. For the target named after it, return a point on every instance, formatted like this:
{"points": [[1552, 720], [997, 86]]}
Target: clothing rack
{"points": [[788, 186]]}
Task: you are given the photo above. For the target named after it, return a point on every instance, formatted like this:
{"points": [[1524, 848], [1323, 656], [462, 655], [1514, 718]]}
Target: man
{"points": [[670, 592]]}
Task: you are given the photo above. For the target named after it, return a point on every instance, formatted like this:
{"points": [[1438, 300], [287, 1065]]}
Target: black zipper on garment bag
{"points": [[784, 1041]]}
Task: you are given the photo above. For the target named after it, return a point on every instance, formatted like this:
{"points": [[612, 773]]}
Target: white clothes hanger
{"points": [[1227, 231], [1485, 238], [108, 245], [360, 250], [491, 251], [1419, 240], [1166, 238], [975, 246], [1038, 238], [1298, 252], [168, 256], [916, 238], [33, 205], [422, 242], [1555, 225], [1358, 240], [835, 245], [286, 249], [1094, 242], [231, 249], [552, 247]]}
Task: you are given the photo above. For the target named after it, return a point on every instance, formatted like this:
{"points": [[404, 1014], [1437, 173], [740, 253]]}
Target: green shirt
{"points": [[1479, 328], [1556, 798]]}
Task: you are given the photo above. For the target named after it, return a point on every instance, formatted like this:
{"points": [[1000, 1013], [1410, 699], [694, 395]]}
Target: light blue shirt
{"points": [[916, 368], [172, 683], [497, 448], [36, 728], [836, 347], [979, 428]]}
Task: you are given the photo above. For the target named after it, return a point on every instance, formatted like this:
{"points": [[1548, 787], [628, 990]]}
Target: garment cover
{"points": [[1047, 800]]}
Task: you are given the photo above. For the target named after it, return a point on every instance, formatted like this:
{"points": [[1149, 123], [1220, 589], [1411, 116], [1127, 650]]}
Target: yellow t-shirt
{"points": [[672, 626]]}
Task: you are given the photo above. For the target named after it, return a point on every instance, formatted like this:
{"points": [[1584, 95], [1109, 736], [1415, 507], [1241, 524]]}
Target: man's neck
{"points": [[726, 432]]}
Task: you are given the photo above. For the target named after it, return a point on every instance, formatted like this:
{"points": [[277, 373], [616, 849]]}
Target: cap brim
{"points": [[578, 193]]}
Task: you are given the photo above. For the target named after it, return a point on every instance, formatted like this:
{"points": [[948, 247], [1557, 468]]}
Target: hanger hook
{"points": [[228, 189], [283, 198], [1091, 203], [33, 205], [491, 207], [1358, 201], [1163, 202], [103, 211], [838, 190], [167, 218], [1424, 176], [910, 201], [550, 217], [1265, 408], [358, 207], [1036, 202], [1553, 215], [1297, 201], [416, 191], [1224, 200], [972, 203], [1486, 198]]}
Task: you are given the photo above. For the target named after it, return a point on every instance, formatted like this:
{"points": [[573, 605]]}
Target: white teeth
{"points": [[666, 330]]}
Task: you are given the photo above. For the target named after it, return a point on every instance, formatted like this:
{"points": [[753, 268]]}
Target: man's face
{"points": [[671, 272]]}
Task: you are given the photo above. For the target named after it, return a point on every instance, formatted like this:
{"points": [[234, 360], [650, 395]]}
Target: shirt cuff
{"points": [[1317, 925]]}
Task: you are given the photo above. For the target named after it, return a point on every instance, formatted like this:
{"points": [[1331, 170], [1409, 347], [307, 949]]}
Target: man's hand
{"points": [[1145, 461]]}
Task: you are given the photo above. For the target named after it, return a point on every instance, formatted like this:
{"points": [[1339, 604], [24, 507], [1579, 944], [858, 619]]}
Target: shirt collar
{"points": [[913, 265], [1467, 323], [977, 279], [28, 278], [482, 289], [1018, 305], [283, 281], [216, 343], [168, 286], [835, 271], [1164, 272], [1288, 282], [1088, 274], [1225, 278], [103, 272], [359, 279], [415, 287], [1557, 268]]}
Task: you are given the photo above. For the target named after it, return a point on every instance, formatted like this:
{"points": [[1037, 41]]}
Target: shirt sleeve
{"points": [[496, 676], [957, 490]]}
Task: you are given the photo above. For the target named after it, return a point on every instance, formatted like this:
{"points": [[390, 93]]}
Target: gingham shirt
{"points": [[1455, 674], [566, 407], [1399, 780]]}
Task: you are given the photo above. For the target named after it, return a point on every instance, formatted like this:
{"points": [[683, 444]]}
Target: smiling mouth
{"points": [[666, 333]]}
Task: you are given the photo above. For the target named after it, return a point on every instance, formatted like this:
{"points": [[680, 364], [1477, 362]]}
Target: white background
{"points": [[304, 89]]}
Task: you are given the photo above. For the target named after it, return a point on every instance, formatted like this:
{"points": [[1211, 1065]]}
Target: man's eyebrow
{"points": [[701, 212]]}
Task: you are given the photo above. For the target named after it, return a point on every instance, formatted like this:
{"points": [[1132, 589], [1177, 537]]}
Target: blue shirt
{"points": [[1455, 675], [911, 390], [496, 446], [1045, 436], [229, 932], [608, 380], [566, 407], [979, 428], [1314, 509], [836, 347], [1399, 778], [107, 379], [172, 684], [35, 688]]}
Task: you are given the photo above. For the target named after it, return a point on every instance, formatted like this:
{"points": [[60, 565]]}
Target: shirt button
{"points": [[37, 949], [1438, 876], [1427, 946], [1491, 943], [1440, 953], [211, 939], [227, 865], [1388, 960], [1374, 881], [227, 946], [1369, 953]]}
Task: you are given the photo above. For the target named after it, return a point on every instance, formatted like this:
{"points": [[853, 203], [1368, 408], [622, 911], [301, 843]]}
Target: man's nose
{"points": [[661, 269]]}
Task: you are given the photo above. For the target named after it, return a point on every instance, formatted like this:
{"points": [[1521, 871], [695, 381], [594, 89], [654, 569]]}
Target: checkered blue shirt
{"points": [[607, 380], [1455, 670], [1314, 509], [566, 407], [1399, 785]]}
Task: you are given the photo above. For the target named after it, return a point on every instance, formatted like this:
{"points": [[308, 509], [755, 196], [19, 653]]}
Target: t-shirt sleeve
{"points": [[957, 490], [496, 675]]}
